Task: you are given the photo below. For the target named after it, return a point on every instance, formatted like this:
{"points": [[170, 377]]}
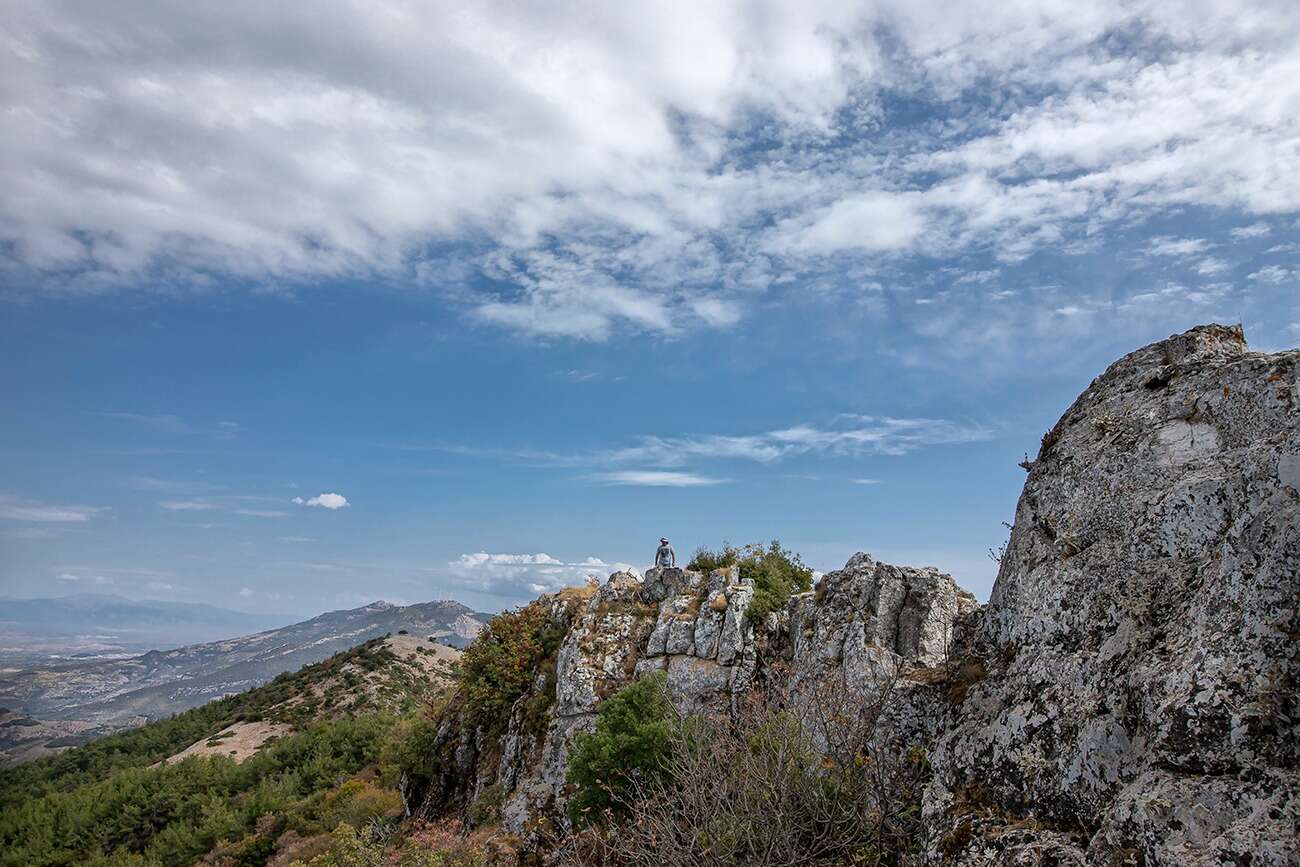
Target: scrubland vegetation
{"points": [[775, 573], [364, 781], [804, 781]]}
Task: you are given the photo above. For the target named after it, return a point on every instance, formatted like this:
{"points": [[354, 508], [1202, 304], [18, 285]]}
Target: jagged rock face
{"points": [[1127, 697], [701, 636], [907, 611], [1142, 633], [866, 621]]}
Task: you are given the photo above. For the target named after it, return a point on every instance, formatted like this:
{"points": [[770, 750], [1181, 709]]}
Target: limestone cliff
{"points": [[1128, 695], [1142, 634]]}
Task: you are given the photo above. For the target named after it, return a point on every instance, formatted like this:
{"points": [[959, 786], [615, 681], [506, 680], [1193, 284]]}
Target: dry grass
{"points": [[239, 741]]}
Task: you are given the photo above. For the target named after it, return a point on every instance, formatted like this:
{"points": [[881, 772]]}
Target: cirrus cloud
{"points": [[15, 509]]}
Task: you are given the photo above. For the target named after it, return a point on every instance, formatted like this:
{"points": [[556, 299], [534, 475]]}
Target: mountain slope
{"points": [[395, 673], [113, 694]]}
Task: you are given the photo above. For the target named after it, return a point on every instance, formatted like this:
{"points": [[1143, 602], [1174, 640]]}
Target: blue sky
{"points": [[528, 289]]}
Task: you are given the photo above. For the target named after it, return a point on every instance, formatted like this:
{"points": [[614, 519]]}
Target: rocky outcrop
{"points": [[864, 622], [1127, 697], [1141, 638]]}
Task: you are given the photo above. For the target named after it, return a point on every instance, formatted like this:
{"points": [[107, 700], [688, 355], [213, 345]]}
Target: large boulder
{"points": [[1141, 638]]}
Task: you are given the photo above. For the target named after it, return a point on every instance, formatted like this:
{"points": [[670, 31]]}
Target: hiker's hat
{"points": [[663, 538]]}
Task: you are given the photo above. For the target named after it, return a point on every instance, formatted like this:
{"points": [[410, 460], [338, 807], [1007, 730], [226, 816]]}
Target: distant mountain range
{"points": [[102, 624], [104, 695]]}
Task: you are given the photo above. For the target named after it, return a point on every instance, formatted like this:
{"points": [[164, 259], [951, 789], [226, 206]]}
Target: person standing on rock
{"points": [[664, 557]]}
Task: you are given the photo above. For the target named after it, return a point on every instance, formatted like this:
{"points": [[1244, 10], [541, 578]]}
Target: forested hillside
{"points": [[339, 725]]}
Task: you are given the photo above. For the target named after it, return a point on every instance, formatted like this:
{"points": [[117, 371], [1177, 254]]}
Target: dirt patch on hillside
{"points": [[435, 659], [238, 741]]}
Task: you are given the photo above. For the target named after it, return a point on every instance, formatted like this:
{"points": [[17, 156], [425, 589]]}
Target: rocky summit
{"points": [[1127, 696]]}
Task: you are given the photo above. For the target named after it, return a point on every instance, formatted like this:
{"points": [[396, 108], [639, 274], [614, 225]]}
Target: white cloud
{"points": [[866, 481], [1210, 266], [188, 505], [656, 479], [849, 435], [852, 435], [864, 435], [1274, 274], [263, 513], [1166, 246], [14, 509], [295, 539], [325, 501], [246, 592], [717, 312], [67, 576], [1255, 230], [878, 221], [524, 575], [578, 311], [645, 174]]}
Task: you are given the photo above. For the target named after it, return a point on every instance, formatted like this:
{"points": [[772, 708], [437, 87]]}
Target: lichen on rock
{"points": [[1142, 630]]}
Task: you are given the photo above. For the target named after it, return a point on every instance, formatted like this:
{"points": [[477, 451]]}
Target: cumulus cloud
{"points": [[325, 501], [518, 576], [636, 176]]}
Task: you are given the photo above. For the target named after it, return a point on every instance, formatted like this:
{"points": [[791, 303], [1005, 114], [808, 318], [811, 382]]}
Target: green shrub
{"points": [[503, 661], [359, 803], [705, 561], [630, 742], [811, 784], [775, 573], [409, 759]]}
